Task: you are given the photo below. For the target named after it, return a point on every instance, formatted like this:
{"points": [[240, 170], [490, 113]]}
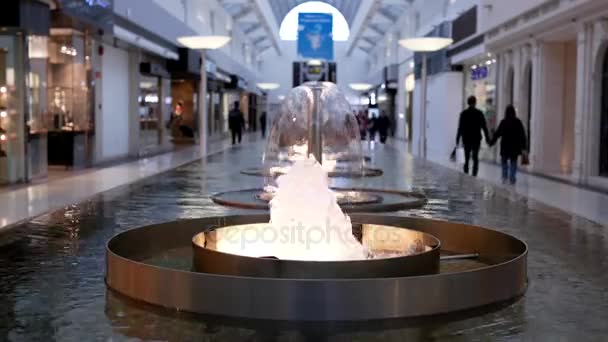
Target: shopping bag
{"points": [[457, 155], [453, 154], [525, 159]]}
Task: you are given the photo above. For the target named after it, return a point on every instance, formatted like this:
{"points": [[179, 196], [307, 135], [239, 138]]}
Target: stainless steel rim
{"points": [[318, 299], [207, 259], [366, 172], [414, 200]]}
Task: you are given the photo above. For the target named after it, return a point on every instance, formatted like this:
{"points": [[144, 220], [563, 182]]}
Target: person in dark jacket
{"points": [[236, 122], [513, 143], [384, 123], [362, 119], [263, 124], [372, 127], [472, 123]]}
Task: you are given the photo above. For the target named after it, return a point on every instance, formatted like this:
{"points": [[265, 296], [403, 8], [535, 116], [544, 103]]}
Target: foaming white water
{"points": [[305, 204], [306, 222]]}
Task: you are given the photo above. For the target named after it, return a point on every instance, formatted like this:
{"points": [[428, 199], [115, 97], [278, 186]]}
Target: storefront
{"points": [[23, 80], [185, 79], [154, 101], [70, 95], [216, 88], [410, 85], [73, 51], [236, 91], [480, 81], [47, 86]]}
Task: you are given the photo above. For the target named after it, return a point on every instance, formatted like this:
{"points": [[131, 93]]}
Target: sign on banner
{"points": [[315, 39]]}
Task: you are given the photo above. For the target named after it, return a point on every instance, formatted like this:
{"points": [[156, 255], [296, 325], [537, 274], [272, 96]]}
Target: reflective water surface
{"points": [[52, 267]]}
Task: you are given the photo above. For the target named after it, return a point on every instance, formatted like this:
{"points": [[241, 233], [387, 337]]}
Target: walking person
{"points": [[384, 124], [470, 126], [513, 143], [236, 123], [372, 126], [263, 124], [362, 119]]}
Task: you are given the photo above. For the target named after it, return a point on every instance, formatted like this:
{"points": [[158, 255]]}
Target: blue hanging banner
{"points": [[315, 39]]}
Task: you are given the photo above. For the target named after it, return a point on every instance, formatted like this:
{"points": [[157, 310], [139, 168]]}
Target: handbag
{"points": [[525, 159]]}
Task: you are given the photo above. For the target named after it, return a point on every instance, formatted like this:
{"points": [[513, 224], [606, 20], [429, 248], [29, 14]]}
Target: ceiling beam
{"points": [[385, 13], [376, 29], [264, 13], [369, 40], [233, 2], [253, 28], [259, 40], [243, 13], [361, 22]]}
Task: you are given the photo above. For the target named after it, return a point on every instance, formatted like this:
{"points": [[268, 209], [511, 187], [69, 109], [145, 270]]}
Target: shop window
{"points": [[149, 112], [603, 143], [12, 110], [69, 119]]}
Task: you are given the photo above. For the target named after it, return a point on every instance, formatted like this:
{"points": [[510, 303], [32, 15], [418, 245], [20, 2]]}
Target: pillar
{"points": [[202, 107], [536, 110], [584, 97], [134, 125]]}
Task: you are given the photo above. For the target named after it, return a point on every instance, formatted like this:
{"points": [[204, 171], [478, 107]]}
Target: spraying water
{"points": [[306, 222]]}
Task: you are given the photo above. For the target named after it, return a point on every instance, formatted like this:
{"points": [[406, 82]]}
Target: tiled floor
{"points": [[569, 198], [29, 201], [21, 203], [52, 267]]}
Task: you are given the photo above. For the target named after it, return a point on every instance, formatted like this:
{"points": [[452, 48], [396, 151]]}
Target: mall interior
{"points": [[293, 170]]}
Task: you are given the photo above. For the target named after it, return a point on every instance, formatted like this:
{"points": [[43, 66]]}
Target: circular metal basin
{"points": [[141, 265], [353, 199], [337, 172], [393, 252], [343, 197]]}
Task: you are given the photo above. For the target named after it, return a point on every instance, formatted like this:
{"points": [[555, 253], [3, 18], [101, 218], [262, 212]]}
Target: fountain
{"points": [[316, 120], [309, 237], [315, 116], [478, 267], [309, 261]]}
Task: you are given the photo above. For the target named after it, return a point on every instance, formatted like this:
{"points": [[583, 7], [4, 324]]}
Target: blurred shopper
{"points": [[362, 119], [175, 120], [472, 123], [372, 126], [512, 144], [176, 126], [236, 123], [384, 124], [263, 124]]}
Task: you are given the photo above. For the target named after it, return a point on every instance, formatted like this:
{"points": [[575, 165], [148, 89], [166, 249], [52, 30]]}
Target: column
{"points": [[134, 93], [165, 114], [202, 107], [583, 88], [536, 110]]}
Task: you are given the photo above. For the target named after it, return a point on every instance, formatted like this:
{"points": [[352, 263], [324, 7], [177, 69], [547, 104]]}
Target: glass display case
{"points": [[37, 103], [13, 167], [70, 98]]}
